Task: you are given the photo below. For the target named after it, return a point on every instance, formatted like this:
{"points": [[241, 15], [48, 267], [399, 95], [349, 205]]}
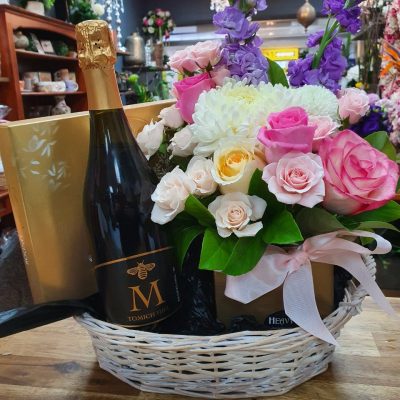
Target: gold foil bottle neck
{"points": [[96, 49]]}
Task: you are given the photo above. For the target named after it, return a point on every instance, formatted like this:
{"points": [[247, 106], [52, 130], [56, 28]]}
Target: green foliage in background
{"points": [[48, 4]]}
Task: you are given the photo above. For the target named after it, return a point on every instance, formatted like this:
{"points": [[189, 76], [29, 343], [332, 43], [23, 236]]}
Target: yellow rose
{"points": [[234, 165]]}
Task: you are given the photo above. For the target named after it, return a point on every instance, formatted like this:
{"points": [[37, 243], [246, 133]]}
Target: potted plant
{"points": [[82, 10], [38, 6]]}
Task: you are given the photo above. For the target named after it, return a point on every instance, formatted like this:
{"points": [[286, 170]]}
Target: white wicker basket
{"points": [[235, 366]]}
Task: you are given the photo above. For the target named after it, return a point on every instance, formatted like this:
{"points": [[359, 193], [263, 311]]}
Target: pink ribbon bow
{"points": [[293, 270]]}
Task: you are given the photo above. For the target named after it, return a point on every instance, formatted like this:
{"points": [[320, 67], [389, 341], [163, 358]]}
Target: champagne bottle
{"points": [[134, 264]]}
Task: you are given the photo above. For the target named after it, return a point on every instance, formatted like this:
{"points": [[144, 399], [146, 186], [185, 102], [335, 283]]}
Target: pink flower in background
{"points": [[296, 179], [188, 91], [289, 118], [219, 75], [159, 22], [357, 176], [290, 133], [325, 127], [196, 57], [353, 104]]}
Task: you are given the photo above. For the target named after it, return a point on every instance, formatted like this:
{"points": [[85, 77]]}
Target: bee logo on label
{"points": [[141, 270]]}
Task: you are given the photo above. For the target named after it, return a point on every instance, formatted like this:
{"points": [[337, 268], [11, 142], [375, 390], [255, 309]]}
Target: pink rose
{"points": [[357, 176], [296, 179], [373, 98], [159, 22], [289, 118], [325, 127], [219, 75], [188, 91], [182, 61], [353, 104], [196, 57], [290, 133]]}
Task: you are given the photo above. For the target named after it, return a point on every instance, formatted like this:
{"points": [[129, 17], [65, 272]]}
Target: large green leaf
{"points": [[316, 221], [380, 140], [376, 225], [387, 213], [245, 255], [258, 187], [215, 251], [281, 229], [196, 209], [276, 74]]}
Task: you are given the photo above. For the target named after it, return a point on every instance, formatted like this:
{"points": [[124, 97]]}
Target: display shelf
{"points": [[3, 79], [52, 57], [127, 92], [79, 92]]}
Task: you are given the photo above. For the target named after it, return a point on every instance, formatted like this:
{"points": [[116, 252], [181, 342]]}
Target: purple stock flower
{"points": [[297, 70], [232, 22], [332, 6], [245, 62], [315, 39], [349, 19], [333, 63]]}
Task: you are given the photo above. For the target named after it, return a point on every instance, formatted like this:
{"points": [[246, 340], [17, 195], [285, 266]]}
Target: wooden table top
{"points": [[57, 362]]}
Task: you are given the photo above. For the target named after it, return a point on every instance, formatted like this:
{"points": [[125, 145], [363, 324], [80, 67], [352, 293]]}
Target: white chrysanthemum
{"points": [[238, 110], [233, 110], [98, 9], [316, 100]]}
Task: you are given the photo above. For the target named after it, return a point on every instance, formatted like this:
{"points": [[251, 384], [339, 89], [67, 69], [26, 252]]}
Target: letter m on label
{"points": [[138, 297]]}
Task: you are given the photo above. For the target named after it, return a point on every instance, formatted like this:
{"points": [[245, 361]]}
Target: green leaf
{"points": [[183, 238], [276, 74], [364, 226], [259, 188], [387, 213], [245, 255], [196, 209], [282, 229], [380, 140], [316, 221], [216, 251]]}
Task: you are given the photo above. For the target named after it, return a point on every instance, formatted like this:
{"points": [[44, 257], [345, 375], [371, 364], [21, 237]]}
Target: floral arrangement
{"points": [[253, 165], [48, 4], [390, 74], [158, 24], [82, 10]]}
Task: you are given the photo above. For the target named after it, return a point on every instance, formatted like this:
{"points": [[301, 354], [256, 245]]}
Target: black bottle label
{"points": [[141, 289]]}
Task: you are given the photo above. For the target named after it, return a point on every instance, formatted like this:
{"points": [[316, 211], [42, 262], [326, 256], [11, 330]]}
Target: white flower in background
{"points": [[170, 23], [98, 9], [150, 139], [316, 100], [170, 196], [199, 170], [182, 144], [233, 110], [151, 29], [151, 21], [233, 213], [171, 117], [167, 14]]}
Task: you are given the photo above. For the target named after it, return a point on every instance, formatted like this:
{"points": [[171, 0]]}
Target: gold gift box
{"points": [[45, 163]]}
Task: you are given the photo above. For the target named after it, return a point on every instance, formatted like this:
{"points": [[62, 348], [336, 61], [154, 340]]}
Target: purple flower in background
{"points": [[315, 39], [332, 6], [298, 69], [376, 120], [349, 19], [333, 63], [232, 22], [245, 62]]}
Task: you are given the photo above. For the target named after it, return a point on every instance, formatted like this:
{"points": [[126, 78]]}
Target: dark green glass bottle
{"points": [[134, 263]]}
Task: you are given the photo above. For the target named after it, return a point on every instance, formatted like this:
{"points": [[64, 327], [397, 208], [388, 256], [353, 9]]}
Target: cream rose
{"points": [[171, 117], [233, 213], [170, 196], [353, 104], [199, 169], [150, 139], [234, 165], [182, 144]]}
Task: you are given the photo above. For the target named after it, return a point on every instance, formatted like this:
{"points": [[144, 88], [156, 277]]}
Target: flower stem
{"points": [[326, 39]]}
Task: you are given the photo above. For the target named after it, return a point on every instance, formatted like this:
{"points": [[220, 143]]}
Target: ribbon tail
{"points": [[300, 304], [356, 266]]}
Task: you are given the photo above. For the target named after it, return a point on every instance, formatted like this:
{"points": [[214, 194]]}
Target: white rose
{"points": [[170, 196], [151, 21], [98, 9], [171, 117], [150, 139], [150, 29], [182, 144], [167, 14], [233, 213], [199, 169]]}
